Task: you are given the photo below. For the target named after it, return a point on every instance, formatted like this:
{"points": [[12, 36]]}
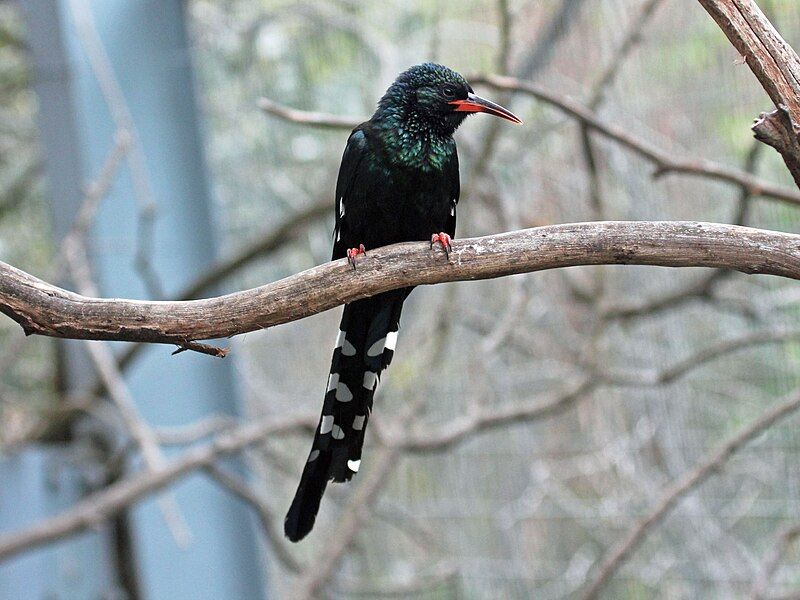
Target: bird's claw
{"points": [[353, 252], [443, 239]]}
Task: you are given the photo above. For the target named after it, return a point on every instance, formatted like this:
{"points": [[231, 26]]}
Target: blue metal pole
{"points": [[38, 482], [146, 43]]}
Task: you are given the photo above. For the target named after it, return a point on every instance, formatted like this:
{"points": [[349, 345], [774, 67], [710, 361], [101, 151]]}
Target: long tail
{"points": [[364, 347]]}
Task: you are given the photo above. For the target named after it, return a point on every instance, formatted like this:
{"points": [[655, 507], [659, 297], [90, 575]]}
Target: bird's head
{"points": [[436, 98]]}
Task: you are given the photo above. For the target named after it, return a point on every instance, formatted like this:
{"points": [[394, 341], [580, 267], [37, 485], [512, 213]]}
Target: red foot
{"points": [[353, 252], [443, 239]]}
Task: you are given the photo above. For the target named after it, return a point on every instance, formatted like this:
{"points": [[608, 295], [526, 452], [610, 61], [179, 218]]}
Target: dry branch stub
{"points": [[777, 67]]}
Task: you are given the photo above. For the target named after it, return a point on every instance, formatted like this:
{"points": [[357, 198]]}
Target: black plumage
{"points": [[398, 182]]}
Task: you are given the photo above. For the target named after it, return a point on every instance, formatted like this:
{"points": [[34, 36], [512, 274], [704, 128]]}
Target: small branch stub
{"points": [[776, 65], [777, 129]]}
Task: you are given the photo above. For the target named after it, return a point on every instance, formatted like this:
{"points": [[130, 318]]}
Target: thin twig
{"points": [[663, 161], [304, 117], [713, 463], [106, 366], [241, 489], [96, 508], [772, 559]]}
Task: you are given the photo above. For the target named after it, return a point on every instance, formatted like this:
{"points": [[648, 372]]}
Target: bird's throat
{"points": [[413, 143]]}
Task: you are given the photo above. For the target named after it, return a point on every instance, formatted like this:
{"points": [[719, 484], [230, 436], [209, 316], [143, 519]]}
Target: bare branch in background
{"points": [[194, 432], [44, 309], [303, 117], [266, 244], [700, 358], [597, 95], [240, 488], [292, 228], [588, 148], [459, 430], [697, 290], [106, 367], [784, 540], [704, 288], [96, 508], [123, 121], [663, 161], [711, 464], [13, 194], [629, 42]]}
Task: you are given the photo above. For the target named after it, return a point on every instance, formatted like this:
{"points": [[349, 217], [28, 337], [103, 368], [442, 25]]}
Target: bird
{"points": [[398, 182]]}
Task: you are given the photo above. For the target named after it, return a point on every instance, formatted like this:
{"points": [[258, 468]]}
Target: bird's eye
{"points": [[449, 91]]}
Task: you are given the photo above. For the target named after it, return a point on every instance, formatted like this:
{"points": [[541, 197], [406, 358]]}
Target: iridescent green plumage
{"points": [[398, 182], [415, 126]]}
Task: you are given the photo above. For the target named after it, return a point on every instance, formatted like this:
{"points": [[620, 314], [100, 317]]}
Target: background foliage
{"points": [[526, 510]]}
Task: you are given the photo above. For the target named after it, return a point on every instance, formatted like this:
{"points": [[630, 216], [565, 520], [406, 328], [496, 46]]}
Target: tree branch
{"points": [[777, 67], [304, 117], [99, 506], [459, 430], [44, 309], [663, 161], [239, 487]]}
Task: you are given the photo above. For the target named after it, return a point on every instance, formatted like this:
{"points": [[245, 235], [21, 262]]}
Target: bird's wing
{"points": [[454, 185], [353, 155]]}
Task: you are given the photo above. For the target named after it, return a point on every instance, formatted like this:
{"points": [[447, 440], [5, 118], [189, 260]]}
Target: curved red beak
{"points": [[474, 103]]}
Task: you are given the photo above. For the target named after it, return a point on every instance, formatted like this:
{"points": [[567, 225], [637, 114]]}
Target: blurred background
{"points": [[554, 435]]}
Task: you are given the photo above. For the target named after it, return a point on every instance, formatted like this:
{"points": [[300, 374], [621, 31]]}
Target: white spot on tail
{"points": [[326, 425], [341, 207], [337, 434], [387, 343], [313, 456], [377, 348], [358, 422], [370, 379], [353, 465], [348, 349], [339, 339], [391, 341], [333, 381], [343, 393]]}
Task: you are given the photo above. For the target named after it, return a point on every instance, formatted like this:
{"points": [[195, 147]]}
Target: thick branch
{"points": [[772, 60], [44, 309], [777, 67]]}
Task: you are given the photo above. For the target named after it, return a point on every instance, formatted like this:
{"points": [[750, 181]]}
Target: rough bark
{"points": [[44, 309], [777, 67]]}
